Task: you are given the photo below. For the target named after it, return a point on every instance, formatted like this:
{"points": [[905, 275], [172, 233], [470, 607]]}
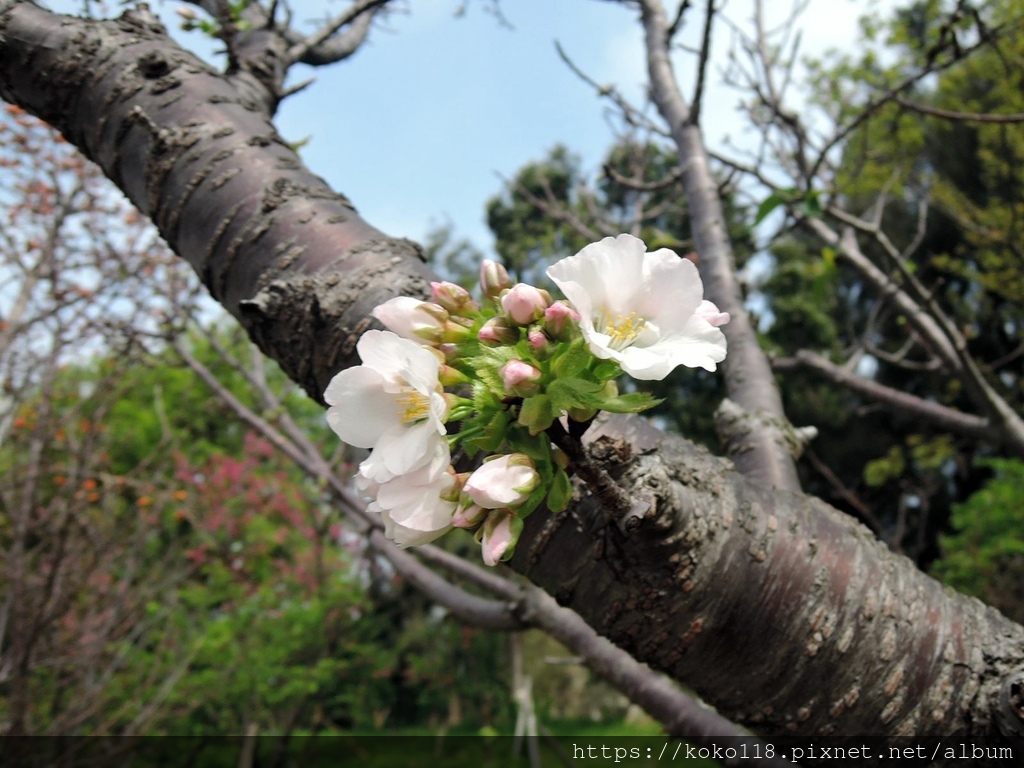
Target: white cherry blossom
{"points": [[646, 311], [392, 403], [412, 508]]}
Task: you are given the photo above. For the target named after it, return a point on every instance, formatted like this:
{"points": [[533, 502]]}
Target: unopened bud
{"points": [[520, 379], [560, 321], [449, 351], [497, 330], [494, 278], [499, 535], [469, 517], [413, 319], [503, 481], [454, 492], [455, 333], [538, 341], [452, 297], [451, 377], [524, 303]]}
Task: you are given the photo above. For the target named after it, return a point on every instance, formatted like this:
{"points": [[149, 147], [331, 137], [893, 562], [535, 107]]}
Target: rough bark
{"points": [[789, 616], [779, 610], [196, 152]]}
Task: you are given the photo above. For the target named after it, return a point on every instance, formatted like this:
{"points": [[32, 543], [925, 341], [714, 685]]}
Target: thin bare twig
{"points": [[964, 117], [702, 61]]}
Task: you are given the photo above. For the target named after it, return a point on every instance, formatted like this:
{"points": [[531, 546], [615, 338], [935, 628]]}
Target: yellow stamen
{"points": [[623, 329], [413, 406]]}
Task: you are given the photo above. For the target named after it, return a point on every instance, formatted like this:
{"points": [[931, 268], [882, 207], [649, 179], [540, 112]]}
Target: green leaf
{"points": [[574, 393], [560, 493], [812, 205], [493, 434], [773, 201], [572, 361], [634, 402], [606, 370], [537, 413]]}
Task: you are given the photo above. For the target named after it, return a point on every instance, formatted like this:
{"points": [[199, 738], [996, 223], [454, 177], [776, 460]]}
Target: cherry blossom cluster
{"points": [[494, 377]]}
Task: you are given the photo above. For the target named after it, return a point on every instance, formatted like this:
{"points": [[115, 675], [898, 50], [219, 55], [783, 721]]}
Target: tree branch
{"points": [[322, 47], [760, 450]]}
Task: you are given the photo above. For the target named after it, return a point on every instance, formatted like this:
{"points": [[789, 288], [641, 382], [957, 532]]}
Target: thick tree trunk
{"points": [[196, 152], [786, 614], [779, 610]]}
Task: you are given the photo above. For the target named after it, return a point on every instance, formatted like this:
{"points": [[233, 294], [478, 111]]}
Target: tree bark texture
{"points": [[786, 614], [782, 612], [196, 151]]}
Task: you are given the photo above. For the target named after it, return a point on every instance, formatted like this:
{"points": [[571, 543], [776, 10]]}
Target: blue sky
{"points": [[417, 127]]}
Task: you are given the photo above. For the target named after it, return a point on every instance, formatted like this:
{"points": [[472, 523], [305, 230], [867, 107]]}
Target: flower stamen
{"points": [[623, 329], [413, 406]]}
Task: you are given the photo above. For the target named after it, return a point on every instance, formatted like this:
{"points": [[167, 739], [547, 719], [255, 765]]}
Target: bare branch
{"points": [[677, 21], [755, 445], [900, 402], [702, 61], [314, 49], [631, 114], [670, 179], [964, 117]]}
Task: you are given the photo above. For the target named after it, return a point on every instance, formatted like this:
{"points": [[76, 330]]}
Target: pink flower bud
{"points": [[452, 297], [493, 278], [505, 481], [412, 318], [499, 536], [523, 303], [710, 312], [469, 517], [520, 379], [537, 340], [498, 331], [560, 321]]}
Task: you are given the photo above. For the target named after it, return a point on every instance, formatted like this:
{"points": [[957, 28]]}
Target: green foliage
{"points": [[985, 557], [966, 251], [242, 605], [526, 239]]}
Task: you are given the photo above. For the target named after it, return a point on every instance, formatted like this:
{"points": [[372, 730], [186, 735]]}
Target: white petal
{"points": [[410, 447], [361, 411], [602, 275], [700, 345], [396, 358], [650, 364], [675, 290]]}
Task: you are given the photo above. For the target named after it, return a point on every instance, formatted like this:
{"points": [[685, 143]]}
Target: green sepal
{"points": [[517, 531]]}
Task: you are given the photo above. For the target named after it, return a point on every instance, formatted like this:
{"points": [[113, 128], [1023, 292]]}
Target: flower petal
{"points": [[395, 358], [361, 411]]}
